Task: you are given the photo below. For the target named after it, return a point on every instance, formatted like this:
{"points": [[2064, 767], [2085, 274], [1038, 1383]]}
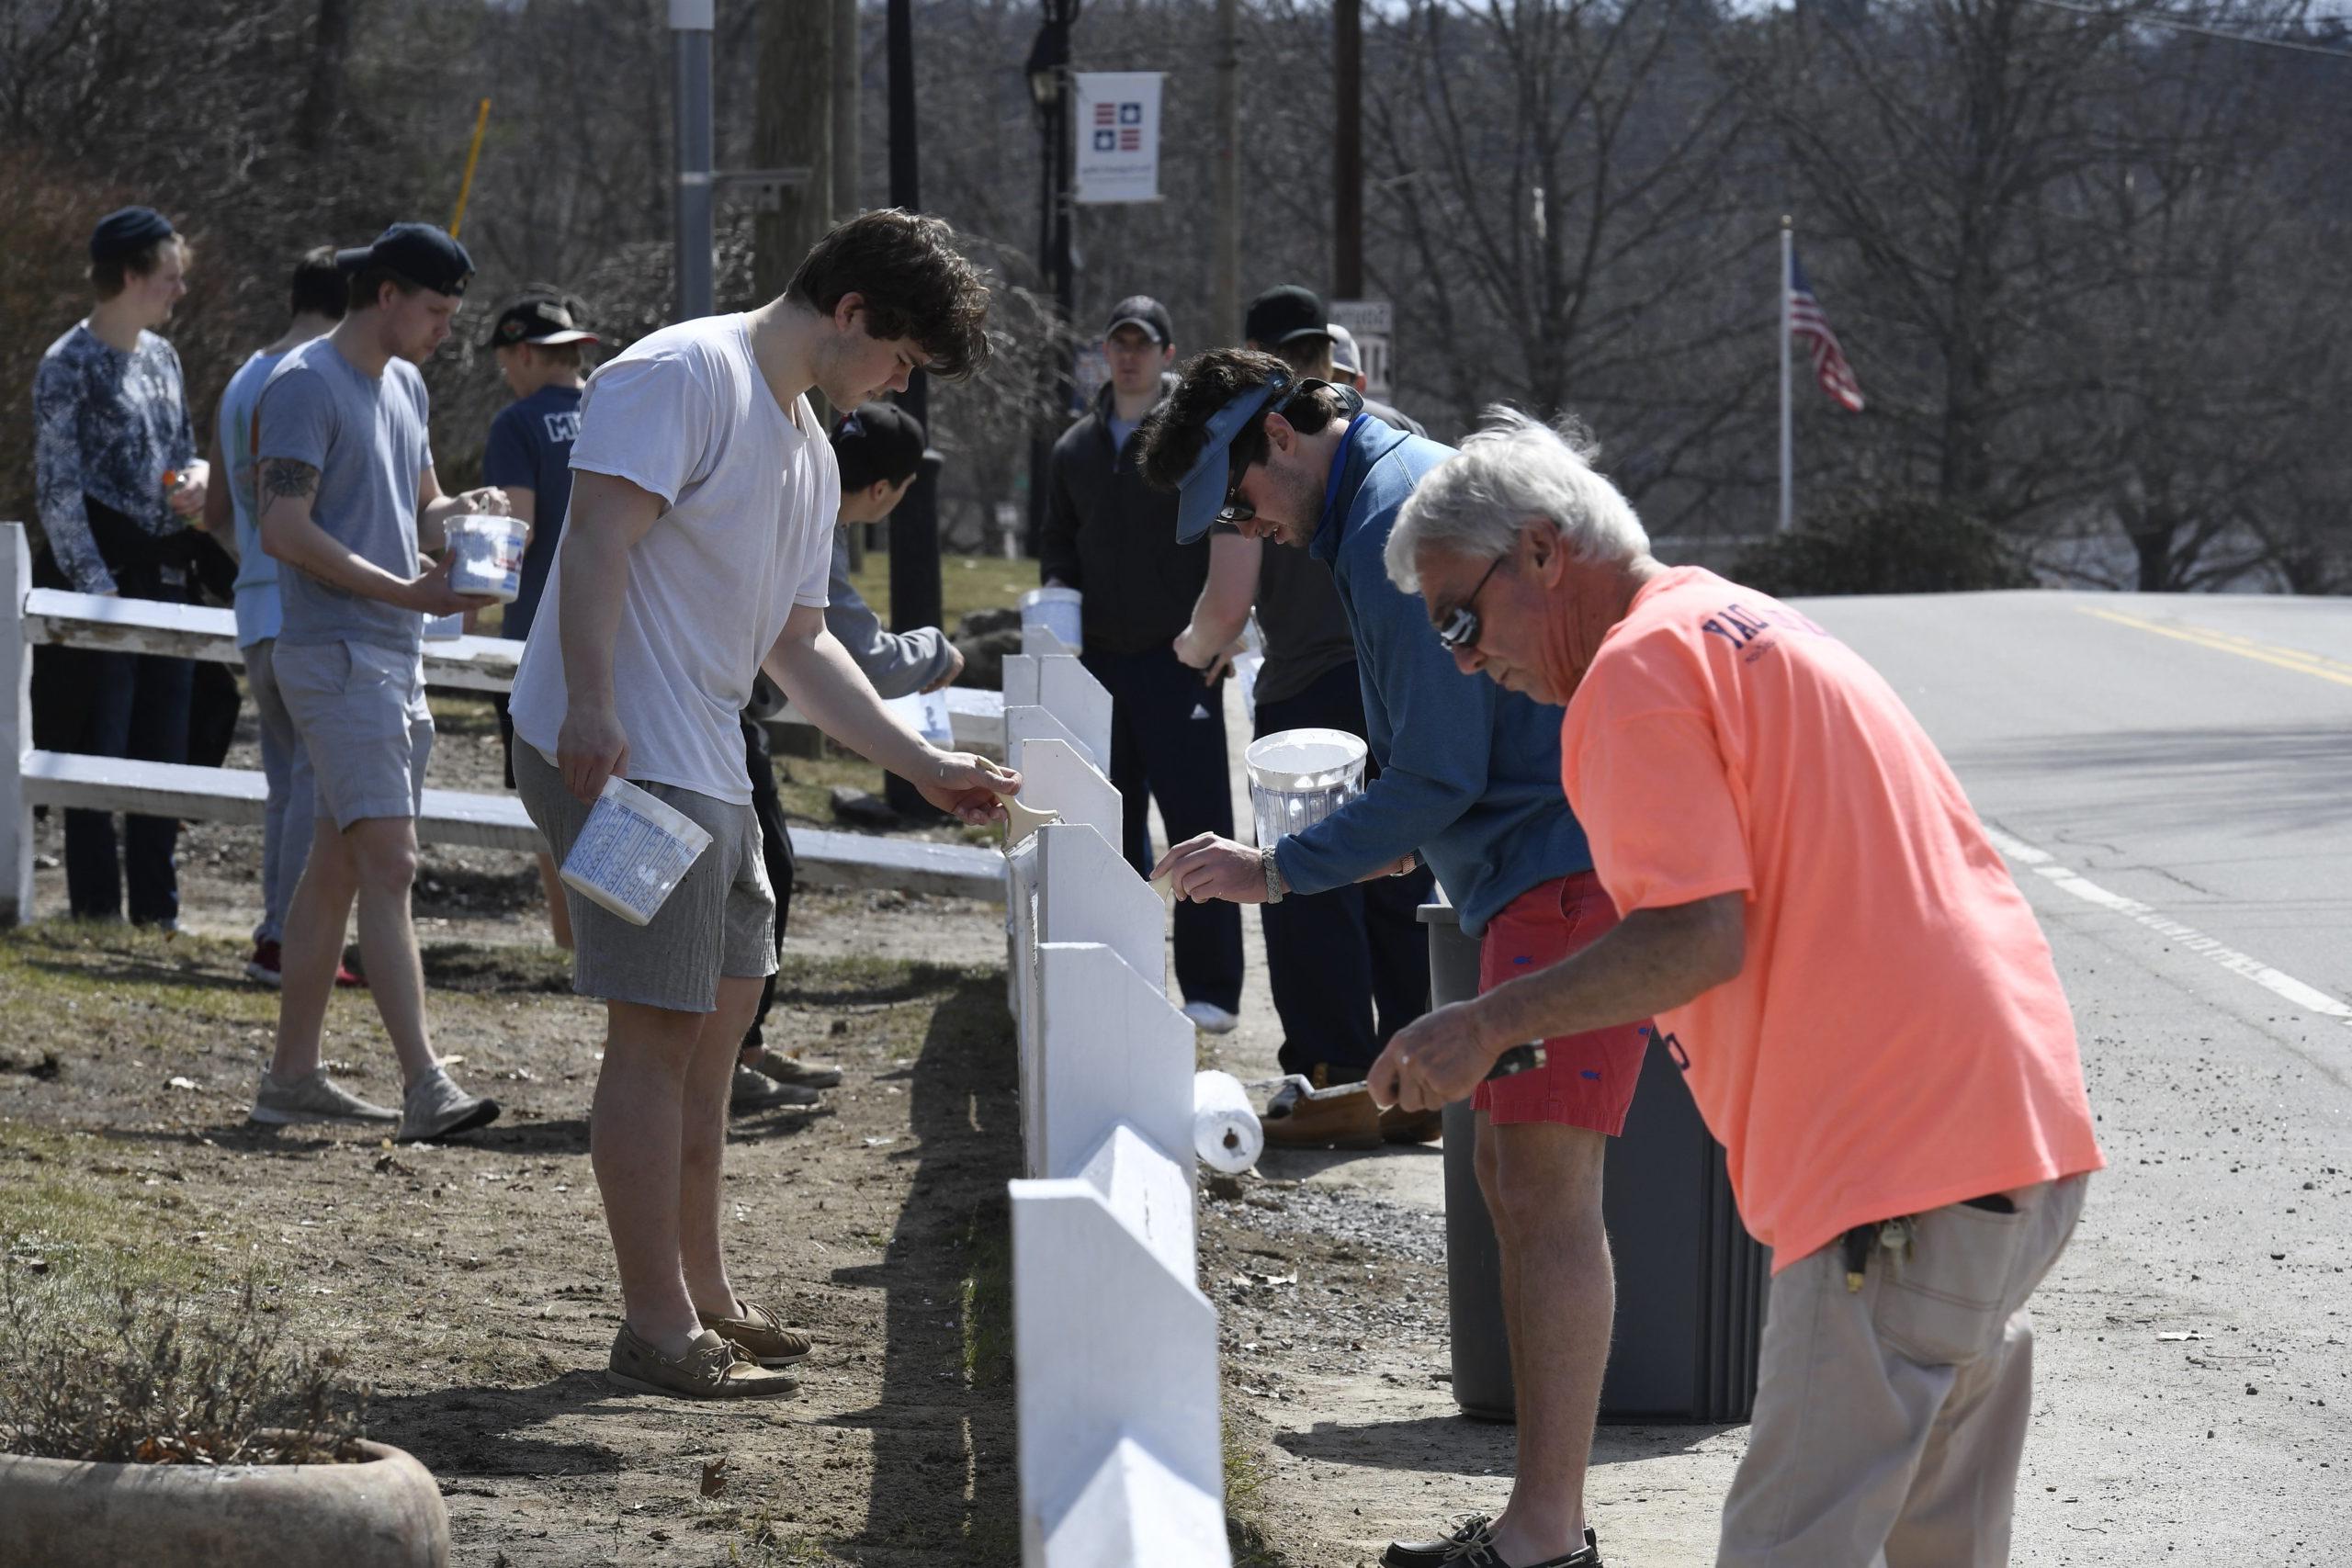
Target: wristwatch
{"points": [[1275, 887]]}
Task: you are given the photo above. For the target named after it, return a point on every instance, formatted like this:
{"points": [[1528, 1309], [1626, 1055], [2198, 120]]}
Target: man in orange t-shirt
{"points": [[1858, 997]]}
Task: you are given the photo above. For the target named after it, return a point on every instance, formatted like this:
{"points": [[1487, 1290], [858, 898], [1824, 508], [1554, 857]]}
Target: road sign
{"points": [[1373, 324]]}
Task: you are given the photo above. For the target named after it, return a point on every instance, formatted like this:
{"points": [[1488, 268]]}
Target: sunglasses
{"points": [[1460, 629], [1236, 509]]}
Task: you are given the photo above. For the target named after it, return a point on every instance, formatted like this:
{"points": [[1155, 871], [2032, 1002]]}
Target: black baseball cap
{"points": [[538, 321], [1142, 310], [126, 232], [1284, 314], [878, 442], [417, 251]]}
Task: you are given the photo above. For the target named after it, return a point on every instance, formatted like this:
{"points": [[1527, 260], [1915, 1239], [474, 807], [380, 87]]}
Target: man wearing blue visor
{"points": [[1469, 780]]}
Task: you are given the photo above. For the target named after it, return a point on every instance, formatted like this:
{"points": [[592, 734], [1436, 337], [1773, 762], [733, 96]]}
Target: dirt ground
{"points": [[2191, 1397]]}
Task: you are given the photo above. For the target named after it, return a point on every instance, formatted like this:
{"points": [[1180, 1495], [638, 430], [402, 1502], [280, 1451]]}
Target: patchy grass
{"points": [[1245, 1481], [94, 984], [987, 1297], [965, 583], [71, 1210]]}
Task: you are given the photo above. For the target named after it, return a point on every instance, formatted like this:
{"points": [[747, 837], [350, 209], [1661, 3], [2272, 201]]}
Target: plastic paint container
{"points": [[1056, 610], [1300, 776], [487, 556], [631, 852]]}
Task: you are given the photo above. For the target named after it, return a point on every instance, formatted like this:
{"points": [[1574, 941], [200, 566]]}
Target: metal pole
{"points": [[1787, 428], [1053, 125], [915, 590], [846, 64], [1226, 318], [1347, 171], [690, 25]]}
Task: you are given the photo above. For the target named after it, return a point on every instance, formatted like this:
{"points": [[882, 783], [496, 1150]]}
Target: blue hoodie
{"points": [[1469, 772]]}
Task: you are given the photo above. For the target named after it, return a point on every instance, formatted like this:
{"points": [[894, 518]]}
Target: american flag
{"points": [[1829, 366]]}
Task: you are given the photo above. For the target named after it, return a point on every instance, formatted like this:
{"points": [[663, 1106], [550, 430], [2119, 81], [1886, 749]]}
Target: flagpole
{"points": [[1788, 435]]}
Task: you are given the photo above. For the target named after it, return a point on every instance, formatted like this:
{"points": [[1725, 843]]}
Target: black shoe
{"points": [[1439, 1549], [1483, 1555]]}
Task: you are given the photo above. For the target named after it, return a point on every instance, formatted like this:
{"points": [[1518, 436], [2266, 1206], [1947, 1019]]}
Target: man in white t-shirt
{"points": [[696, 556]]}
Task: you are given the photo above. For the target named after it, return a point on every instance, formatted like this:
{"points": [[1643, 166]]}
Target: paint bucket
{"points": [[1052, 609], [632, 852], [1300, 776], [487, 556]]}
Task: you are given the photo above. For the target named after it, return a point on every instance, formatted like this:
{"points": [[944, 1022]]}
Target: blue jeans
{"points": [[134, 706], [1168, 745]]}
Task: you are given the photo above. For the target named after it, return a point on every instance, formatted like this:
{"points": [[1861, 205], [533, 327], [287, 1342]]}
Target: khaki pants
{"points": [[1889, 1420]]}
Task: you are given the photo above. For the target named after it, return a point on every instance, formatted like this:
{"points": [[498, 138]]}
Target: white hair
{"points": [[1514, 470]]}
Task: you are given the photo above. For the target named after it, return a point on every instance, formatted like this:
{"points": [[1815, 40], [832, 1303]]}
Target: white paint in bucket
{"points": [[487, 556], [1056, 610], [632, 852], [1300, 776]]}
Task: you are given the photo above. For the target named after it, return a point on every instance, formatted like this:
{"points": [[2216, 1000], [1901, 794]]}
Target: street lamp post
{"points": [[1049, 73]]}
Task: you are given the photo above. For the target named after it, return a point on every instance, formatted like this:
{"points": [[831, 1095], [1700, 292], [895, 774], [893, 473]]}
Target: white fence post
{"points": [[1056, 774], [1112, 1050], [15, 732]]}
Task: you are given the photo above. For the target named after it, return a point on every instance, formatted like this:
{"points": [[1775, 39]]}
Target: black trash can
{"points": [[1690, 1281]]}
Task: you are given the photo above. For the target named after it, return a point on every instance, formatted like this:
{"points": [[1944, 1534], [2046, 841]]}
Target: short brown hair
{"points": [[111, 276], [1171, 435], [368, 286], [914, 282]]}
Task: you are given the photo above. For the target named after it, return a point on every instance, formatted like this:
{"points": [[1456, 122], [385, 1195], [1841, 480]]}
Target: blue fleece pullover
{"points": [[1469, 772]]}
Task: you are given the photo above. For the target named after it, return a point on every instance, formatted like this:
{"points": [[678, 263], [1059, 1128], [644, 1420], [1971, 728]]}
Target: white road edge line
{"points": [[2309, 997]]}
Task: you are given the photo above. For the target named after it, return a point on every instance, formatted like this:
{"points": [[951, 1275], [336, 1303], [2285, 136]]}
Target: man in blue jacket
{"points": [[1469, 780]]}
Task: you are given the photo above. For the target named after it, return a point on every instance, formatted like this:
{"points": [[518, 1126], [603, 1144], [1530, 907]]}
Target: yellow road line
{"points": [[2245, 648]]}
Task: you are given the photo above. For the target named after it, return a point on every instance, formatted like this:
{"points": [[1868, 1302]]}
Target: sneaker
{"points": [[1210, 1017], [1437, 1550], [711, 1370], [759, 1335], [436, 1107], [316, 1098], [267, 965], [756, 1091], [774, 1064]]}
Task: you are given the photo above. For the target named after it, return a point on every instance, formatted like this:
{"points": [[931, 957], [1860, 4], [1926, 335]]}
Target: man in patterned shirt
{"points": [[117, 479]]}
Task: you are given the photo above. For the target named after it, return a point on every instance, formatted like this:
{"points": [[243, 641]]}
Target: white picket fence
{"points": [[1116, 1345], [29, 777]]}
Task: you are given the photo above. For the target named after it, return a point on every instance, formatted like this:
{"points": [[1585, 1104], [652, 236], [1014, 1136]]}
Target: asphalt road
{"points": [[2172, 780]]}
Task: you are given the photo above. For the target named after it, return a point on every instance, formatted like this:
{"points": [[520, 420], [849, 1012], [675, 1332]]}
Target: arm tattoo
{"points": [[283, 477]]}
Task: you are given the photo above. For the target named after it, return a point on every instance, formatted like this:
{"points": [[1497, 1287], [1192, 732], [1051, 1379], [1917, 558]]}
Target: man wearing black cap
{"points": [[537, 346], [1348, 967], [881, 451], [118, 482], [1113, 537], [348, 496]]}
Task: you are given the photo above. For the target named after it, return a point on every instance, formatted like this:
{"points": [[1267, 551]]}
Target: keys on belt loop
{"points": [[1894, 1237]]}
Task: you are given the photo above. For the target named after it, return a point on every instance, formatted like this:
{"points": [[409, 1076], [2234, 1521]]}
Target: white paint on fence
{"points": [[1067, 689], [1113, 1051], [1055, 772]]}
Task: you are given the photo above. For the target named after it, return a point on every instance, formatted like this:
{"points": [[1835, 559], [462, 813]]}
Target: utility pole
{"points": [[847, 62], [1347, 172], [690, 25], [1227, 295], [793, 128]]}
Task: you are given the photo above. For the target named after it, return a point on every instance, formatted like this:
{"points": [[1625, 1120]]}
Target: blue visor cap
{"points": [[1202, 495]]}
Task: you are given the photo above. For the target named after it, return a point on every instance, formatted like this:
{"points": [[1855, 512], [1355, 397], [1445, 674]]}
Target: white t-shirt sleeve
{"points": [[647, 421], [816, 586]]}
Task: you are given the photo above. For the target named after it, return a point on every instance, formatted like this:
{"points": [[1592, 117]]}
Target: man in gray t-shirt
{"points": [[348, 494]]}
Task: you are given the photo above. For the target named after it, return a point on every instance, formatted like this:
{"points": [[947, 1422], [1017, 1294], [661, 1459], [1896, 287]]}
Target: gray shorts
{"points": [[719, 919], [365, 730]]}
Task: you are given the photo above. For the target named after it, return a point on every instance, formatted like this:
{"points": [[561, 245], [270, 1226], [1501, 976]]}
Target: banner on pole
{"points": [[1373, 324], [1117, 131]]}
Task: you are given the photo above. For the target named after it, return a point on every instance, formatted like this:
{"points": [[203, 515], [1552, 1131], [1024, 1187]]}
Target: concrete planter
{"points": [[385, 1512]]}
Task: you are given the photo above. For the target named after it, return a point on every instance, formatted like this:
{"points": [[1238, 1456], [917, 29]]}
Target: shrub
{"points": [[1907, 544], [151, 1380]]}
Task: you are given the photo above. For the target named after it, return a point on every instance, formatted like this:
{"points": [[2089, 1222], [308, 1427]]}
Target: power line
{"points": [[2198, 28]]}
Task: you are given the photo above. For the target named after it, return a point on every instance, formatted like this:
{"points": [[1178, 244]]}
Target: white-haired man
{"points": [[1860, 998]]}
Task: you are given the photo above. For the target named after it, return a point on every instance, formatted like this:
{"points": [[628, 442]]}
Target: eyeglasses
{"points": [[1460, 629], [1236, 511]]}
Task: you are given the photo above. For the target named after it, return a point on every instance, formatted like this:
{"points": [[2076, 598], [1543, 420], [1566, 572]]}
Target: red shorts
{"points": [[1587, 1080]]}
